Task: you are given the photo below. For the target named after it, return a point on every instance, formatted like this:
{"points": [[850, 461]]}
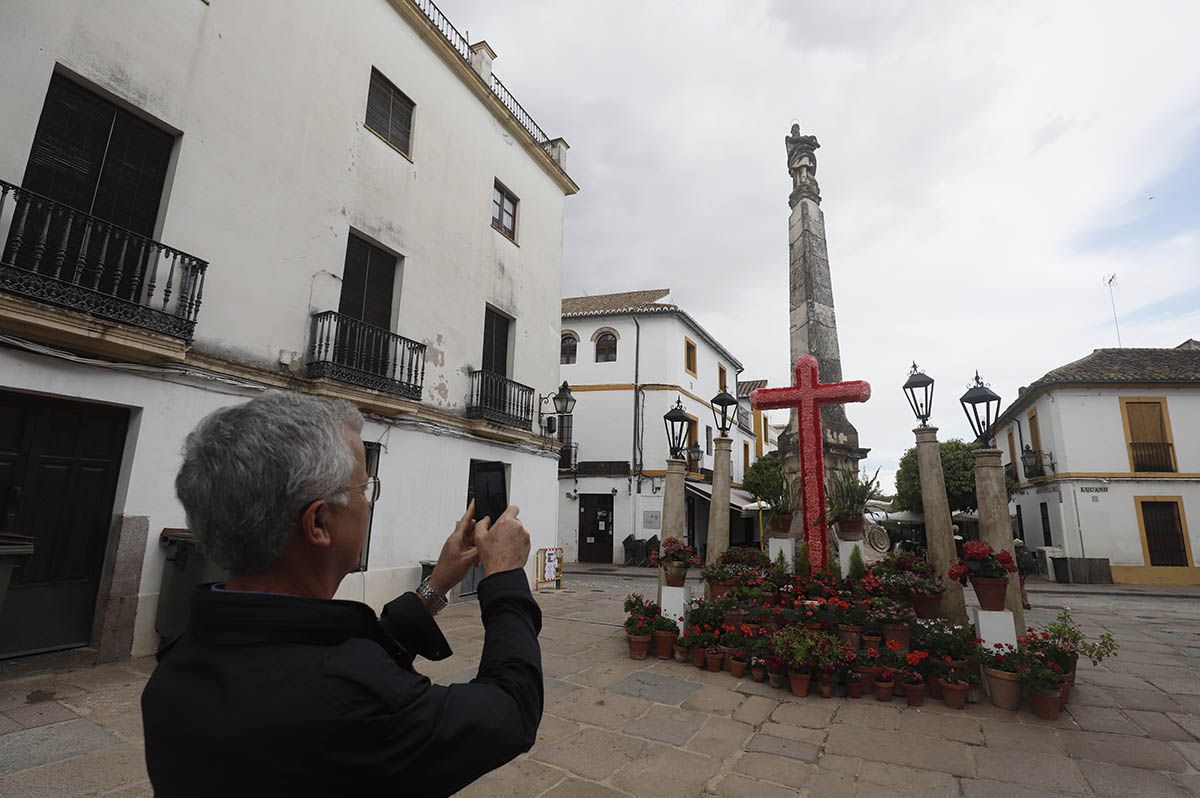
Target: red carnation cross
{"points": [[806, 395]]}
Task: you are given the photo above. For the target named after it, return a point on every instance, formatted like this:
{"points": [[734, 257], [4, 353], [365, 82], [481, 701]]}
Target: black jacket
{"points": [[1026, 561], [276, 695]]}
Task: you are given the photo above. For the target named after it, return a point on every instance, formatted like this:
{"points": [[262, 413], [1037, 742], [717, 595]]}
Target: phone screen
{"points": [[489, 489]]}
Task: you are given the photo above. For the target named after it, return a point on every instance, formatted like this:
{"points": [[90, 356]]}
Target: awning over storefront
{"points": [[738, 499]]}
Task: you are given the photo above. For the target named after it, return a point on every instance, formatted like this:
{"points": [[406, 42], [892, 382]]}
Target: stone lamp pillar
{"points": [[718, 508], [674, 517], [938, 533], [994, 525]]}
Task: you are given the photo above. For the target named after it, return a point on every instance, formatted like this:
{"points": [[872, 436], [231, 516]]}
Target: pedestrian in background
{"points": [[1026, 565]]}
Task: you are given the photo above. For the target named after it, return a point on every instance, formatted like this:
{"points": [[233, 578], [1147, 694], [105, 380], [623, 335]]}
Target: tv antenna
{"points": [[1110, 280]]}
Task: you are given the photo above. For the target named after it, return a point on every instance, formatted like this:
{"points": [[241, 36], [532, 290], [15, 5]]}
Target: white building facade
{"points": [[628, 358], [205, 202], [1113, 444]]}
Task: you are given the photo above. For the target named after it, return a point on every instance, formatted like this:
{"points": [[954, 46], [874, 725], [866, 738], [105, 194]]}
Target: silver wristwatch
{"points": [[435, 599]]}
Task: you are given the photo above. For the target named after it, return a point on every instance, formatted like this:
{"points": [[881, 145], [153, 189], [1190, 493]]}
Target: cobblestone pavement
{"points": [[615, 727]]}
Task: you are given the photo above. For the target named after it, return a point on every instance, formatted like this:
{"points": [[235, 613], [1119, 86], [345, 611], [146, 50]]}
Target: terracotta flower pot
{"points": [[883, 690], [726, 656], [675, 573], [866, 675], [698, 657], [1046, 706], [899, 632], [799, 682], [851, 528], [935, 689], [812, 626], [758, 674], [927, 605], [825, 689], [954, 694], [957, 666], [663, 643], [990, 590], [1005, 688], [872, 641], [737, 617], [681, 653], [737, 668], [777, 679], [712, 661], [717, 589], [915, 693], [1067, 684], [851, 635], [638, 645], [854, 689]]}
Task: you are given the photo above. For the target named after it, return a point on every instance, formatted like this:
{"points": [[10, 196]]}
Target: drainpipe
{"points": [[634, 462]]}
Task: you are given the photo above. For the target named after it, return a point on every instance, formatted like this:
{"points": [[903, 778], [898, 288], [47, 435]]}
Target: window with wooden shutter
{"points": [[504, 210], [1147, 435], [567, 350], [372, 450], [689, 356], [389, 113], [495, 342], [1162, 524]]}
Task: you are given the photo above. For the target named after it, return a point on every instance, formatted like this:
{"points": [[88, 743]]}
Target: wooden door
{"points": [[1164, 534], [59, 462], [595, 527]]}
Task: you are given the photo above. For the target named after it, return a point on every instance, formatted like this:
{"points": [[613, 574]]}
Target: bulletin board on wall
{"points": [[549, 568]]}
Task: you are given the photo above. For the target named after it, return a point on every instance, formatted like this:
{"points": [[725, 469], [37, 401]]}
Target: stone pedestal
{"points": [[994, 525], [845, 549], [673, 601], [993, 627], [785, 545], [718, 508], [674, 517], [938, 533]]}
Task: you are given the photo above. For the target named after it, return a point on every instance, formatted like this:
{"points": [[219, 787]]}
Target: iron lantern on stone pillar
{"points": [[694, 453], [982, 406], [724, 409], [919, 390], [676, 422]]}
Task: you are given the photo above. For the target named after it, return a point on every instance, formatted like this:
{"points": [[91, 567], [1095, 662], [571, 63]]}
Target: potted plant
{"points": [[954, 689], [794, 645], [846, 498], [895, 621], [828, 656], [696, 639], [664, 631], [1042, 678], [738, 663], [850, 615], [766, 479], [884, 683], [676, 557], [776, 672], [988, 571], [733, 638], [1067, 635], [712, 659], [1002, 664], [854, 684], [914, 679], [639, 624], [717, 578]]}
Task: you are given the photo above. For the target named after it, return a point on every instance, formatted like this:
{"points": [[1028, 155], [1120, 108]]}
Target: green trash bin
{"points": [[186, 567], [13, 551]]}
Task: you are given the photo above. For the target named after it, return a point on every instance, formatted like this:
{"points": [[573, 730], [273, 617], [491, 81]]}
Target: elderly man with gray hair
{"points": [[277, 689]]}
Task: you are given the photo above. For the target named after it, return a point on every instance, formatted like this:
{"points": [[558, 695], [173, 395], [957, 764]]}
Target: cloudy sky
{"points": [[983, 166]]}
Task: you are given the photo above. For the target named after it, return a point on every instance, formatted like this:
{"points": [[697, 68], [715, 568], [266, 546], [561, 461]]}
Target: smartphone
{"points": [[488, 488]]}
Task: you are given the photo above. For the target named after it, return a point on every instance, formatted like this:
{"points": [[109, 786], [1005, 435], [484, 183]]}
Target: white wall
{"points": [[274, 166]]}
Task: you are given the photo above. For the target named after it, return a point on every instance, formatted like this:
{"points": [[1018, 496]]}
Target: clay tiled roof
{"points": [[612, 303], [1116, 367], [744, 388]]}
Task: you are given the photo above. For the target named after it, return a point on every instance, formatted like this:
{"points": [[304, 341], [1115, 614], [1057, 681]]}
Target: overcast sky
{"points": [[983, 166]]}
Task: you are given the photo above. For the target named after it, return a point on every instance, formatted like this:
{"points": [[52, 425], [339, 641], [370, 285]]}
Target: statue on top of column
{"points": [[802, 164]]}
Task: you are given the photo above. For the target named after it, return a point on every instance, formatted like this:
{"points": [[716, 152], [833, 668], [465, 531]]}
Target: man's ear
{"points": [[314, 524]]}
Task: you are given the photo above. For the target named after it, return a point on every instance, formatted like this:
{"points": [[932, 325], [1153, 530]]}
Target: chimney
{"points": [[558, 151], [482, 56]]}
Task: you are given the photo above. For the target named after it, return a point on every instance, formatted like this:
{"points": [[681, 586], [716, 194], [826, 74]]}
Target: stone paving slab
{"points": [[1114, 781], [592, 753], [655, 687], [42, 744], [924, 753], [1052, 772], [667, 725], [1120, 749], [663, 772]]}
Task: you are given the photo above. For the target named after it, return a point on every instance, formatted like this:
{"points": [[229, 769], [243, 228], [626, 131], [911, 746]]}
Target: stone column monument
{"points": [[813, 323], [674, 517], [938, 533], [994, 525], [718, 508]]}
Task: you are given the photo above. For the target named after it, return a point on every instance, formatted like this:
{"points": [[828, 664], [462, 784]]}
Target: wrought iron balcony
{"points": [[346, 349], [56, 254], [1153, 457], [495, 397], [568, 457]]}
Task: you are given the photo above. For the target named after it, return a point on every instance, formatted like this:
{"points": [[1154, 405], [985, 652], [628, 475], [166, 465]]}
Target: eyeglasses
{"points": [[370, 489]]}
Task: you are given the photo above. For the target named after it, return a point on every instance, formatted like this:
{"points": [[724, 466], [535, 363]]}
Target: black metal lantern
{"points": [[676, 421], [724, 409], [564, 400], [982, 406], [1029, 458], [919, 390], [694, 454]]}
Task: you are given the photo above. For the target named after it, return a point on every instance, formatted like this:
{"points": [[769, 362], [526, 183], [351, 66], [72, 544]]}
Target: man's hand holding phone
{"points": [[458, 555], [502, 545]]}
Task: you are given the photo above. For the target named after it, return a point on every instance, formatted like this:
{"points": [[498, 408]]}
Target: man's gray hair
{"points": [[250, 470]]}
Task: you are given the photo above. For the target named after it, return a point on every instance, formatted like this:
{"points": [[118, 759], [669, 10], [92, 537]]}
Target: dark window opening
{"points": [[373, 451], [1047, 540], [567, 351], [389, 113], [708, 439], [495, 342], [606, 348], [1164, 534]]}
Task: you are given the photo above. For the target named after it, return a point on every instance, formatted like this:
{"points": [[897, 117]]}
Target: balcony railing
{"points": [[1153, 457], [496, 398], [451, 34], [56, 254], [346, 349], [568, 457]]}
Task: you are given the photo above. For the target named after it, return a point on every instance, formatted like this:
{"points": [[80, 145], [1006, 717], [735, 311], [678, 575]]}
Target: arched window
{"points": [[606, 348], [566, 353]]}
